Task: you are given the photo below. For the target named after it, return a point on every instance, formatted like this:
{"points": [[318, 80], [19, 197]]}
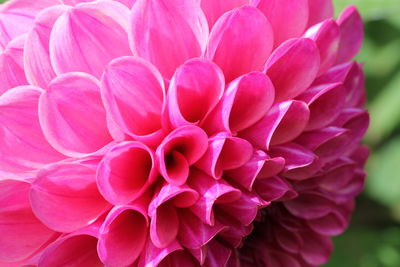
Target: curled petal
{"points": [[272, 166], [167, 32], [72, 115], [274, 189], [218, 254], [214, 9], [309, 205], [235, 232], [65, 196], [319, 10], [152, 255], [87, 37], [246, 32], [292, 67]]}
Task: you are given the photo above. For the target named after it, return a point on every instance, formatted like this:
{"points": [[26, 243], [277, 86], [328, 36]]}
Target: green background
{"points": [[373, 239]]}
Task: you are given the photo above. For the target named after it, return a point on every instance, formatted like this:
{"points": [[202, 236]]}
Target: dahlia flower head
{"points": [[178, 132]]}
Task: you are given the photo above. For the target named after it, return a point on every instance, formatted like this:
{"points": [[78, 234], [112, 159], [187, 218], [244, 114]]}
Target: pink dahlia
{"points": [[178, 132]]}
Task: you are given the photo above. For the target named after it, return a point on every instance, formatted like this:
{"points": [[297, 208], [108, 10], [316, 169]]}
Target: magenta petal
{"points": [[272, 166], [309, 205], [122, 236], [214, 9], [235, 232], [180, 149], [125, 172], [246, 32], [351, 34], [21, 232], [292, 67], [288, 17], [284, 122], [338, 174], [65, 196], [218, 254], [87, 37], [194, 91], [332, 224], [274, 189], [179, 258], [155, 26], [152, 255], [317, 249], [72, 115], [319, 10]]}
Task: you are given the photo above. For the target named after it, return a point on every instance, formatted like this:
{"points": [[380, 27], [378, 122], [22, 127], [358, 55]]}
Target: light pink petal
{"points": [[122, 236], [246, 100], [152, 255], [37, 63], [21, 232], [194, 91], [168, 32], [246, 32], [293, 67], [284, 122], [128, 3], [355, 86], [12, 65], [327, 38], [336, 74], [72, 115], [288, 17], [65, 196], [309, 205], [21, 138], [87, 37], [218, 254], [274, 189], [214, 9], [137, 111], [126, 172], [319, 10], [180, 149], [325, 103], [317, 249], [351, 34]]}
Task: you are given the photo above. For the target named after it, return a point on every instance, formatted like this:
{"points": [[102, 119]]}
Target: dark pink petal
{"points": [[288, 17], [180, 149], [325, 103], [292, 67], [87, 37], [136, 111], [214, 9], [168, 32], [122, 236], [21, 138], [179, 258], [194, 91], [126, 172], [272, 166], [317, 249], [65, 196], [218, 254], [351, 34], [246, 32], [338, 175], [360, 155], [37, 65], [290, 241], [224, 152], [327, 38], [246, 100], [235, 231], [319, 10], [331, 224], [72, 115], [283, 123], [274, 189], [152, 255], [12, 65], [309, 205], [21, 232]]}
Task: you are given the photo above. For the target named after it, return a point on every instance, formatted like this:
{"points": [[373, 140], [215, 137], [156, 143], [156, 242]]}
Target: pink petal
{"points": [[122, 236], [179, 150], [325, 103], [293, 67], [290, 241], [351, 34], [274, 189], [245, 101], [21, 138], [284, 122], [327, 38], [332, 224], [355, 86], [168, 32], [272, 166], [245, 32], [11, 65], [288, 17], [37, 63], [309, 205], [194, 91], [214, 9], [218, 254], [22, 234], [338, 174], [137, 112], [128, 3], [65, 196], [317, 249], [336, 74], [89, 36], [72, 115], [235, 232], [126, 172], [153, 256], [319, 10], [179, 258]]}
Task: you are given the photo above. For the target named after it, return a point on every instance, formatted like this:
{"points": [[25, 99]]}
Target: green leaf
{"points": [[371, 9]]}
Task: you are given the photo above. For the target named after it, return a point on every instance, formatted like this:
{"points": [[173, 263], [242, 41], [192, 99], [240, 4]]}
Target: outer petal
{"points": [[21, 232], [133, 93], [317, 249], [152, 255], [128, 3], [240, 42], [21, 138], [214, 9], [168, 32], [218, 254], [309, 205], [65, 197], [89, 36], [72, 115], [288, 17], [293, 67], [319, 10]]}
